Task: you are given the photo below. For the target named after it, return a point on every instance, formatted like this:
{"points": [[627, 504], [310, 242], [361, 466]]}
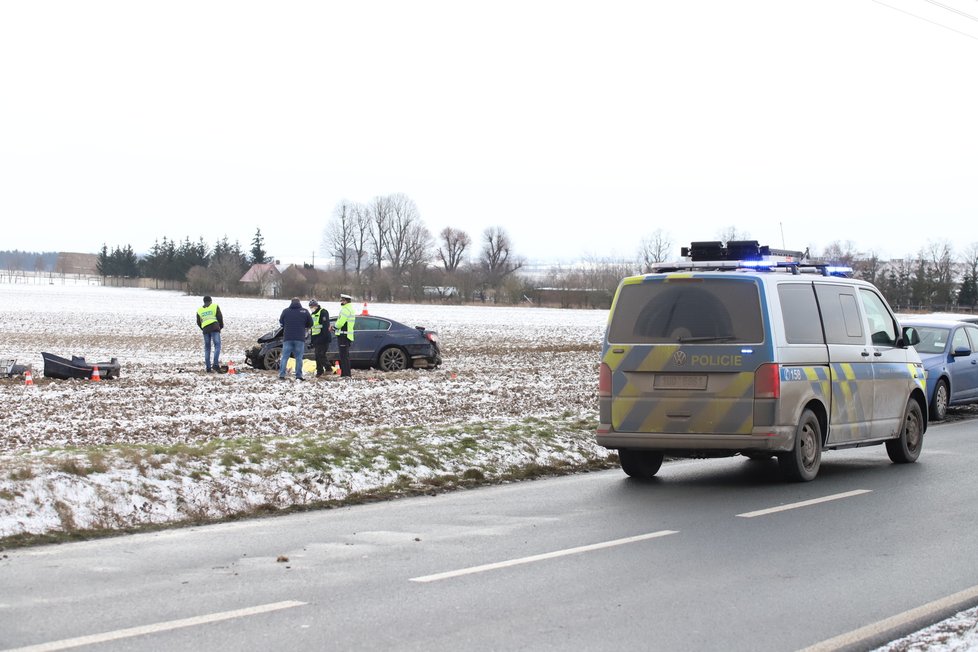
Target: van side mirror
{"points": [[910, 336]]}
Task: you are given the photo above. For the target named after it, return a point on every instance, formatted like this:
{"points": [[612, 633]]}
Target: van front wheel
{"points": [[906, 448], [640, 464], [801, 463]]}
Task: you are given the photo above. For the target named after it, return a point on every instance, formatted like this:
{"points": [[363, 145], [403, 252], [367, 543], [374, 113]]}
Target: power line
{"points": [[926, 20], [957, 11]]}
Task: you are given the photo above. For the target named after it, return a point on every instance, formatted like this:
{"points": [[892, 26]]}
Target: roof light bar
{"points": [[713, 255]]}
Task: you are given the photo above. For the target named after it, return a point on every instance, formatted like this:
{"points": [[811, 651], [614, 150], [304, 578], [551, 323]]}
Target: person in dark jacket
{"points": [[319, 336], [294, 320], [210, 321]]}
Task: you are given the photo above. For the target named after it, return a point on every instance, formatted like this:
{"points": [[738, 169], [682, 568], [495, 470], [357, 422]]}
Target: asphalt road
{"points": [[713, 554]]}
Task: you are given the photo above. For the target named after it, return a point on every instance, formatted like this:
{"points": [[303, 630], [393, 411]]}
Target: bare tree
{"points": [[497, 261], [401, 223], [225, 269], [380, 217], [654, 249], [417, 255], [843, 253], [942, 271], [454, 242], [338, 238]]}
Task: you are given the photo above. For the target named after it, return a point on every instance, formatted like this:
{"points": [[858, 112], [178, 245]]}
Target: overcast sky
{"points": [[579, 127]]}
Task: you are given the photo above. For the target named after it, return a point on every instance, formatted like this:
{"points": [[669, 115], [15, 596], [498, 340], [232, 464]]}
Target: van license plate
{"points": [[679, 381]]}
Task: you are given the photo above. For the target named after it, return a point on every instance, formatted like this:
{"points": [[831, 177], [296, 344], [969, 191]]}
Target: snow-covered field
{"points": [[166, 442]]}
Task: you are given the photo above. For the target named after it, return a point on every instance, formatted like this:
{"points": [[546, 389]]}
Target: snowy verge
{"points": [[126, 487]]}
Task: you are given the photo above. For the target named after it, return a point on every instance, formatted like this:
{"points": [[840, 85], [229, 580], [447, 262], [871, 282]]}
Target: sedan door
{"points": [[961, 366], [369, 334]]}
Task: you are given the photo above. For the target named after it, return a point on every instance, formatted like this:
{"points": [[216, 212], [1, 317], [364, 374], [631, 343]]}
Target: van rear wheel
{"points": [[640, 464], [801, 464], [906, 448]]}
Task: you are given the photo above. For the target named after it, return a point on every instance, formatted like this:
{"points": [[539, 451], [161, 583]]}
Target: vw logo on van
{"points": [[679, 358]]}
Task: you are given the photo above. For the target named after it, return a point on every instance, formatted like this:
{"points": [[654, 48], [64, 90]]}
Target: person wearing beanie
{"points": [[319, 335]]}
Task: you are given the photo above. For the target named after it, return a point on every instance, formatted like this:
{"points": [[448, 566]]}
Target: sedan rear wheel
{"points": [[273, 359], [392, 359]]}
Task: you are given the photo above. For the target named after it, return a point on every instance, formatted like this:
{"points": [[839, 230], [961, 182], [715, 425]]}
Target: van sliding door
{"points": [[850, 363]]}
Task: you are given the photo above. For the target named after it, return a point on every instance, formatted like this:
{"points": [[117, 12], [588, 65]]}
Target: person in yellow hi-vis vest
{"points": [[211, 321], [319, 336], [345, 323]]}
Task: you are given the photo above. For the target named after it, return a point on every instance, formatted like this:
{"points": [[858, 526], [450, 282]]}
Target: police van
{"points": [[741, 349]]}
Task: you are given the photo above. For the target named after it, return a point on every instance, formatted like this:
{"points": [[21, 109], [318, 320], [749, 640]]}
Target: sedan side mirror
{"points": [[910, 336]]}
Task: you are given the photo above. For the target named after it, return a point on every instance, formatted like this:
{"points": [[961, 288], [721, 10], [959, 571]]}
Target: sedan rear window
{"points": [[688, 310]]}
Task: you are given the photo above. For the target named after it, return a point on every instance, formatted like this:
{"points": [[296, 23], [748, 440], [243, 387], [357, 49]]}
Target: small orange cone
{"points": [[231, 369], [96, 374], [28, 378], [364, 309], [336, 368]]}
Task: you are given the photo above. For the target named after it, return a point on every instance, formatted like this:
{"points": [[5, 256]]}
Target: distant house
{"points": [[264, 278], [76, 264]]}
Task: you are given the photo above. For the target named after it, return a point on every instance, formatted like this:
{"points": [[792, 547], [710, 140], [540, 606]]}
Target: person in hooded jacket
{"points": [[295, 320]]}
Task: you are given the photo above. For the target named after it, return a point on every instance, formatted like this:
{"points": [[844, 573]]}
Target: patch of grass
{"points": [[473, 474], [229, 459], [73, 466], [22, 473]]}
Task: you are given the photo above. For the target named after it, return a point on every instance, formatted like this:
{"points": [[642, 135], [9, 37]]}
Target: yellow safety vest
{"points": [[207, 314], [346, 320]]}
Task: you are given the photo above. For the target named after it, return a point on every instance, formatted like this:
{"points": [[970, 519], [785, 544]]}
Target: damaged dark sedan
{"points": [[378, 342]]}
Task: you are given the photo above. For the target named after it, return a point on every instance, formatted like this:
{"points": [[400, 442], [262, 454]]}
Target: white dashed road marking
{"points": [[804, 503], [67, 643], [547, 555]]}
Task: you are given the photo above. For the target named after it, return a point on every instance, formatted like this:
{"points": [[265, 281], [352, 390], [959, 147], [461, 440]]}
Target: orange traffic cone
{"points": [[364, 309], [28, 378], [231, 369], [96, 374], [336, 368]]}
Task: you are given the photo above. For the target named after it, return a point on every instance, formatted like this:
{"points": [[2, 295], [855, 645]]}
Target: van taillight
{"points": [[604, 381], [767, 381]]}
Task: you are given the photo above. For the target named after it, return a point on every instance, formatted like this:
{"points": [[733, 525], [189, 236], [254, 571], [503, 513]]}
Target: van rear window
{"points": [[688, 310]]}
